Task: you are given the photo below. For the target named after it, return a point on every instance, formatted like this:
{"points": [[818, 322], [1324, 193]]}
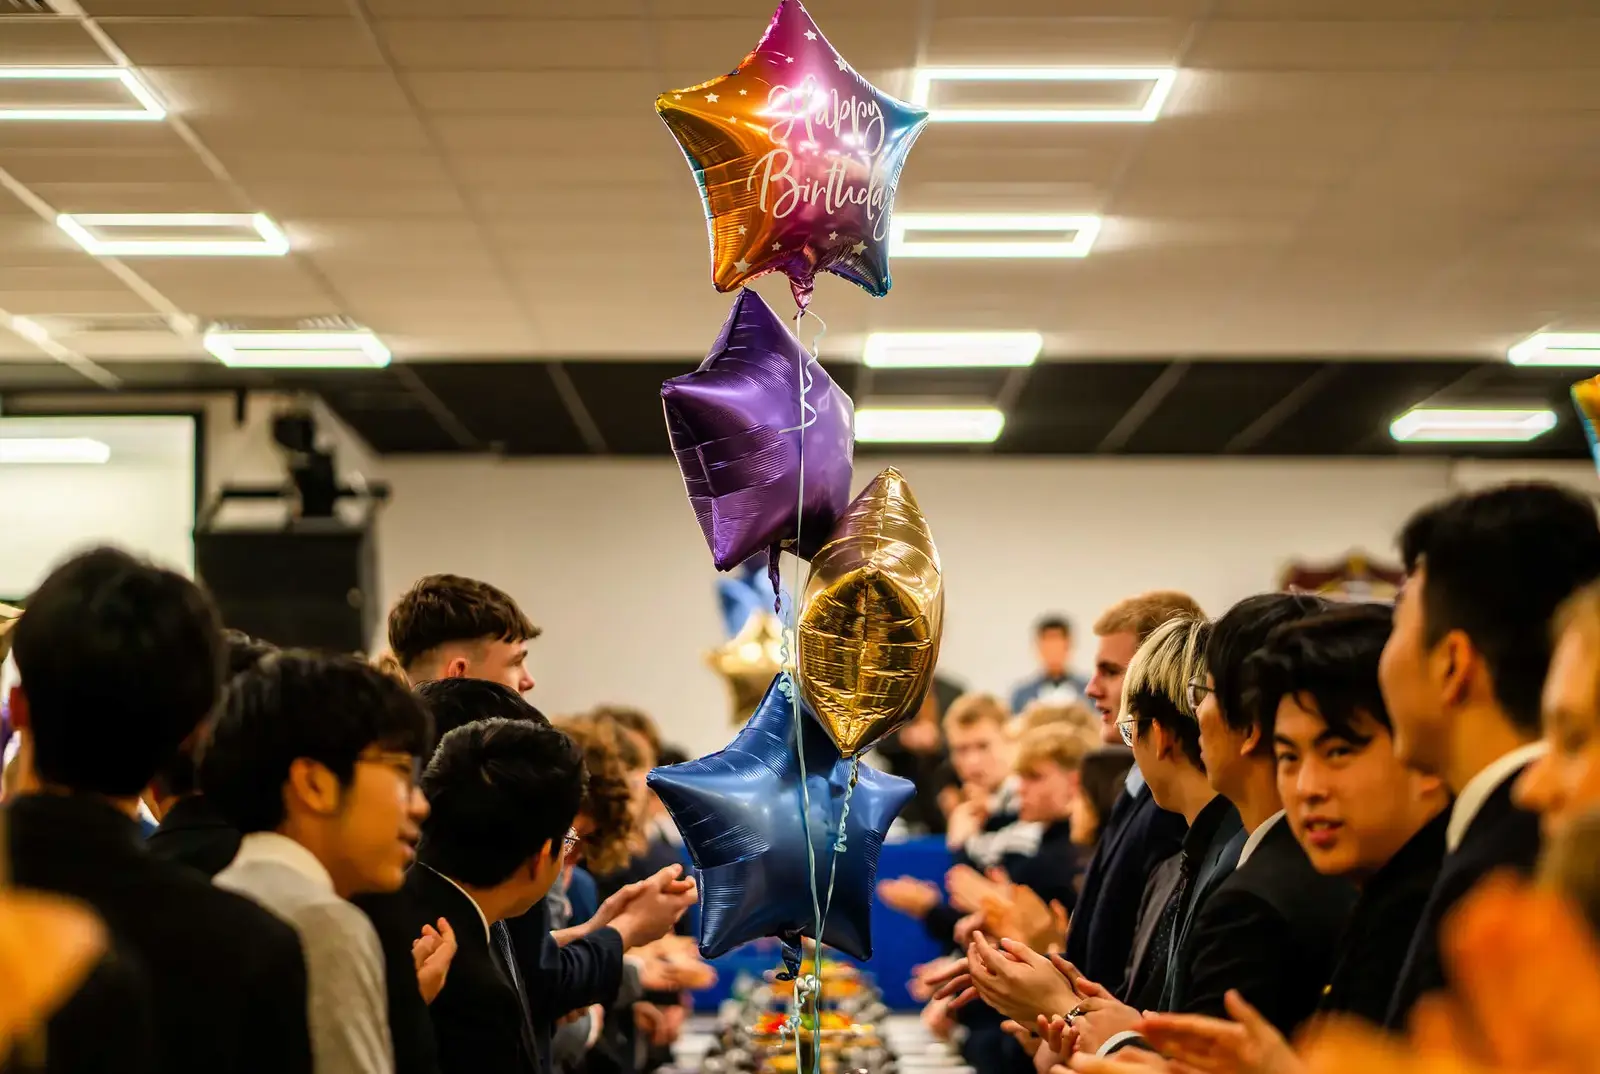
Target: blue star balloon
{"points": [[739, 810]]}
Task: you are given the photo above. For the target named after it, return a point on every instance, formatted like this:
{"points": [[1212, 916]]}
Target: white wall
{"points": [[606, 556]]}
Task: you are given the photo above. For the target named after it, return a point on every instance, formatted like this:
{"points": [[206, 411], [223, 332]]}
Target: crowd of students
{"points": [[1321, 855], [1297, 838], [355, 869]]}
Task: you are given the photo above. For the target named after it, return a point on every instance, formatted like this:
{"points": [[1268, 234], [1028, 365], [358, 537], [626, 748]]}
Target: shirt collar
{"points": [[1478, 789], [1135, 781], [1257, 836], [281, 850], [481, 915]]}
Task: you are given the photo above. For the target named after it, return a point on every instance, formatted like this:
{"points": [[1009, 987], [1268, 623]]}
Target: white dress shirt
{"points": [[1257, 836], [1478, 789]]}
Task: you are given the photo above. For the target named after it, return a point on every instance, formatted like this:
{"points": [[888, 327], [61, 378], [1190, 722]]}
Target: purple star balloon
{"points": [[736, 429], [797, 157]]}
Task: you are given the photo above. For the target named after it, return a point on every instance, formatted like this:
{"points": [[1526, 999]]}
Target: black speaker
{"points": [[312, 585]]}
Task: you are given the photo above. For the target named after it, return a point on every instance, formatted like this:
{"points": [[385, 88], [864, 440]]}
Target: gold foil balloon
{"points": [[749, 661], [8, 619], [872, 617], [1586, 397]]}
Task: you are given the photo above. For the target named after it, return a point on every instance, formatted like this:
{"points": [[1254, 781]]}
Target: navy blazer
{"points": [[1501, 836], [1137, 837]]}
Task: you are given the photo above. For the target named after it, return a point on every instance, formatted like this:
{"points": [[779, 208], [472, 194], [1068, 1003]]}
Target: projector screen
{"points": [[141, 498]]}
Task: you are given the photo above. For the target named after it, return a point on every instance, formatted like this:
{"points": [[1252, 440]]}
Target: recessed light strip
{"points": [[924, 425], [34, 451], [149, 109], [354, 349], [1489, 425], [270, 241], [1070, 236], [1557, 349], [1160, 78], [951, 350]]}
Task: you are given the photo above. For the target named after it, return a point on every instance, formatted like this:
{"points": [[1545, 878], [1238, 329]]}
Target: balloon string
{"points": [[808, 987]]}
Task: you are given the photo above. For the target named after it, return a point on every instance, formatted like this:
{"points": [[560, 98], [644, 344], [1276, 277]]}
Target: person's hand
{"points": [[937, 1019], [651, 913], [572, 1016], [655, 974], [968, 888], [432, 953], [1247, 1045], [1018, 913], [921, 985], [654, 1023], [1526, 967], [1017, 981], [968, 928], [965, 821], [672, 1018], [1024, 1036], [1058, 1041], [1341, 1045], [953, 982], [1127, 1061], [910, 896]]}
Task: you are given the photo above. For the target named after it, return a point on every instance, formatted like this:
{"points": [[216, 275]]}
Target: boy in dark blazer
{"points": [[1462, 674], [120, 662]]}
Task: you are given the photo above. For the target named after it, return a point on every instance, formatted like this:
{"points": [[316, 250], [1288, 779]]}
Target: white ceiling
{"points": [[483, 178]]}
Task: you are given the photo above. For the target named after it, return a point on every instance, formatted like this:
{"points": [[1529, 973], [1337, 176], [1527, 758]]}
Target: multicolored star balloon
{"points": [[740, 812], [797, 157]]}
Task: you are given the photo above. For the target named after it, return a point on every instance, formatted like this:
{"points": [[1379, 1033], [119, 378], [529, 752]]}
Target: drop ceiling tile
{"points": [[1530, 43], [477, 9], [1378, 10], [312, 132], [518, 44], [1282, 45], [717, 45], [284, 43], [569, 93], [246, 93], [85, 137], [1307, 93], [114, 9], [34, 166], [1001, 41], [201, 197], [43, 41]]}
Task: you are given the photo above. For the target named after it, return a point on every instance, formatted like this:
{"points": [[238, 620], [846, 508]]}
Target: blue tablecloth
{"points": [[898, 942]]}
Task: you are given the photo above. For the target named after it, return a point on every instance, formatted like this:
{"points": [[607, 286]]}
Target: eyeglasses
{"points": [[1126, 729], [1198, 692], [570, 841], [406, 765]]}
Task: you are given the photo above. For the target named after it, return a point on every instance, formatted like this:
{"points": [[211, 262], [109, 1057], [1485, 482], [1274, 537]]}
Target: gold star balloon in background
{"points": [[749, 661], [872, 617]]}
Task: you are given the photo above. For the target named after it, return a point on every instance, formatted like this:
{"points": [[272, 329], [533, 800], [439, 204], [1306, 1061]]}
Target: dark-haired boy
{"points": [[120, 662], [450, 627], [504, 795], [192, 832], [314, 760], [1462, 673]]}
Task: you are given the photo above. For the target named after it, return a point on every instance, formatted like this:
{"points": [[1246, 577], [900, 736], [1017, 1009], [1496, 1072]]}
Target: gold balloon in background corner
{"points": [[1586, 397], [8, 620], [749, 661], [872, 617]]}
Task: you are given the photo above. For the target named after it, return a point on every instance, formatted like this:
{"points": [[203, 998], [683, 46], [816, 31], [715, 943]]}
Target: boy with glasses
{"points": [[315, 760]]}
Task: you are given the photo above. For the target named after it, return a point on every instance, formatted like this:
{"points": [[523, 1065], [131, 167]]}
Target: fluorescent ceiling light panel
{"points": [[1557, 348], [32, 451], [951, 350], [353, 349], [919, 425], [148, 109], [1160, 79], [88, 230], [1486, 426], [980, 235]]}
